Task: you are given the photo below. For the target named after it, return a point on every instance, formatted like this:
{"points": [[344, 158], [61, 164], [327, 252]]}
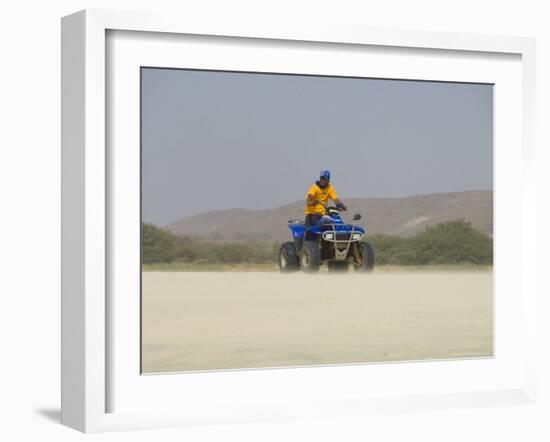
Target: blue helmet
{"points": [[325, 174]]}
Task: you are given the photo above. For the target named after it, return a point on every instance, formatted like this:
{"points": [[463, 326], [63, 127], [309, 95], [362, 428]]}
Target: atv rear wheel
{"points": [[367, 258], [310, 257], [338, 266], [288, 261]]}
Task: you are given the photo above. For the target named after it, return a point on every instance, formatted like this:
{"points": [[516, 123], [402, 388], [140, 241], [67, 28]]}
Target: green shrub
{"points": [[390, 249], [157, 245], [186, 249], [452, 242]]}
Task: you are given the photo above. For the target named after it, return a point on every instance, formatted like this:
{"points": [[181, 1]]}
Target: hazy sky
{"points": [[217, 140]]}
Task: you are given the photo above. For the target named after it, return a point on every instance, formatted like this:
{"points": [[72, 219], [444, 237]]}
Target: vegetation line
{"points": [[453, 243]]}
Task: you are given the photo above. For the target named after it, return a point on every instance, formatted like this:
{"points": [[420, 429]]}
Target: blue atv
{"points": [[330, 241]]}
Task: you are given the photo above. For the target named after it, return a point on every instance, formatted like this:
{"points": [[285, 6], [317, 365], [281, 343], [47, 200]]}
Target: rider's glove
{"points": [[340, 206]]}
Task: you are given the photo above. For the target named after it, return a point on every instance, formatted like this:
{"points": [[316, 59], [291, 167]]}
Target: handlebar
{"points": [[328, 208]]}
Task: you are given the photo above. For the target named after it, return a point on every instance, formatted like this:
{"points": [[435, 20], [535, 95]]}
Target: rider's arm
{"points": [[339, 204], [337, 201], [310, 197], [310, 201]]}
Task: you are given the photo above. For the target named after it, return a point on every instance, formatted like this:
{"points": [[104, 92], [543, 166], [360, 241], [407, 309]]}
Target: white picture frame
{"points": [[86, 202]]}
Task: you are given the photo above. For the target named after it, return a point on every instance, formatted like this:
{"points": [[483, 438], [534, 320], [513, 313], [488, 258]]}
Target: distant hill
{"points": [[396, 216]]}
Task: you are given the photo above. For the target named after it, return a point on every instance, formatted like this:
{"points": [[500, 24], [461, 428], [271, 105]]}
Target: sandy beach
{"points": [[212, 321]]}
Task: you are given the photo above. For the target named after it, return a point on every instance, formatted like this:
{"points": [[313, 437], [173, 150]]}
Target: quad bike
{"points": [[330, 241]]}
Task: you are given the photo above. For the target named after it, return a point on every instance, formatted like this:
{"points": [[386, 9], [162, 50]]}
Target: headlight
{"points": [[356, 236], [329, 236]]}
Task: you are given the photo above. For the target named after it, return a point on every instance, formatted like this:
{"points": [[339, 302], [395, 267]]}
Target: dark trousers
{"points": [[312, 219]]}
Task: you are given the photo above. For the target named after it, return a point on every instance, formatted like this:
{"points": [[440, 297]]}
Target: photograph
{"points": [[293, 220]]}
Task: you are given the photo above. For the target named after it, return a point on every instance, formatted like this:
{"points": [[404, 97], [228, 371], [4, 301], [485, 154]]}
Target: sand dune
{"points": [[210, 321]]}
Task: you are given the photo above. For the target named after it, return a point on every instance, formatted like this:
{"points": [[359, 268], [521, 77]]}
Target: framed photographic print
{"points": [[269, 223]]}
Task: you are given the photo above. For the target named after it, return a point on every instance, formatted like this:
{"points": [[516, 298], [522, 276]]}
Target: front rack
{"points": [[340, 254], [332, 235]]}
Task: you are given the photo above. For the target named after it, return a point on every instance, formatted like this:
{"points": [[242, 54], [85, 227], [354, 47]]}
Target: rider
{"points": [[317, 199]]}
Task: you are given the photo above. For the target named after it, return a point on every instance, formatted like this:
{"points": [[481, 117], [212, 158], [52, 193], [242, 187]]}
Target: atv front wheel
{"points": [[310, 257], [288, 261], [337, 266], [367, 258]]}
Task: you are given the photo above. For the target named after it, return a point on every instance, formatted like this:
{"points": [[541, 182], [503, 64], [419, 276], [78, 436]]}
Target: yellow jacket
{"points": [[315, 193]]}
